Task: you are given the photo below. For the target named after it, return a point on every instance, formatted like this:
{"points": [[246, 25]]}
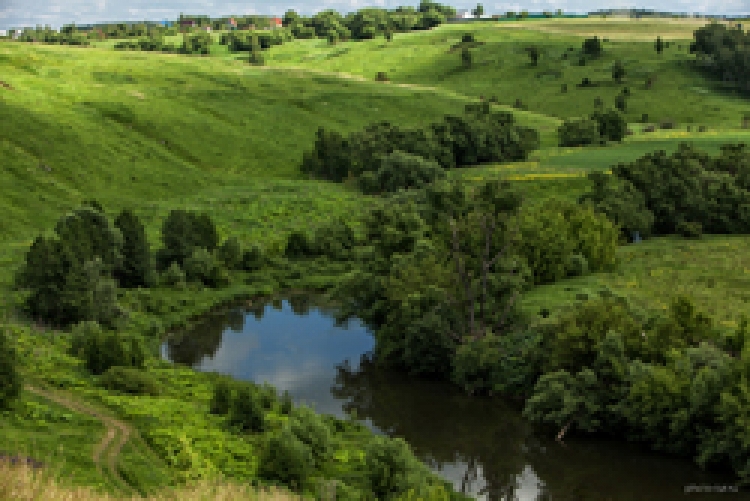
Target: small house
{"points": [[276, 22], [187, 22], [232, 24]]}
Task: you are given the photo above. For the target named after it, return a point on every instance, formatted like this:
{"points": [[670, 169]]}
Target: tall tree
{"points": [[478, 11], [136, 269], [10, 379]]}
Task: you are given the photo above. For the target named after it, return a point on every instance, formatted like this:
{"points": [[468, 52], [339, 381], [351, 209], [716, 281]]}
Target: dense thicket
{"points": [[672, 380], [480, 135], [597, 129], [659, 194], [724, 53]]}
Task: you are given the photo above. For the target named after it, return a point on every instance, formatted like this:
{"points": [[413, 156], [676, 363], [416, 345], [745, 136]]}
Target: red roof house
{"points": [[276, 22]]}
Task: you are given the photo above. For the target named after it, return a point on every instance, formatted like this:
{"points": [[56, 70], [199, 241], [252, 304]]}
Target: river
{"points": [[482, 445]]}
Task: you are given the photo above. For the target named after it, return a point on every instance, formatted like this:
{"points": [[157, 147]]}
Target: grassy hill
{"points": [[157, 132]]}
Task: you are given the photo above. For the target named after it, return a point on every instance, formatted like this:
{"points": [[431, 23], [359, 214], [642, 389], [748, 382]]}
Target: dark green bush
{"points": [[389, 466], [612, 125], [401, 170], [246, 413], [299, 246], [101, 349], [252, 258], [286, 459], [203, 267], [129, 380], [173, 276], [592, 47], [334, 239], [222, 397], [310, 429], [578, 265], [579, 132], [230, 254]]}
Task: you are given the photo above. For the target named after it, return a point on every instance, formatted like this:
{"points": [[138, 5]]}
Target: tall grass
{"points": [[23, 483]]}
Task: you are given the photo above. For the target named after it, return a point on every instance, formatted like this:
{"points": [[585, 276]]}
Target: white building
{"points": [[3, 33]]}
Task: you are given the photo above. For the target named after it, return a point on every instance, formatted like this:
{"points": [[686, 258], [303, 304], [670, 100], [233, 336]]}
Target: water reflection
{"points": [[483, 446]]}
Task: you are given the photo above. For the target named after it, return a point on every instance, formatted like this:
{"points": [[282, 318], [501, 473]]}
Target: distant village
{"points": [[462, 16]]}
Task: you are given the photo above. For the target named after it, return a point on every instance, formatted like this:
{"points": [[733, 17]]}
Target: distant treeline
{"points": [[363, 24]]}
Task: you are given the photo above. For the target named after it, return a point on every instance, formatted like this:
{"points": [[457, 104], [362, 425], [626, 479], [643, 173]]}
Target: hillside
{"points": [[156, 132]]}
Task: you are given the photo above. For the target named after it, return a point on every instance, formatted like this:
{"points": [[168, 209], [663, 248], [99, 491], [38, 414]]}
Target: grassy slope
{"points": [[234, 136]]}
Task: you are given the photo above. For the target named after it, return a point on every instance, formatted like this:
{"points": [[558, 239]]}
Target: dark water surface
{"points": [[481, 445]]}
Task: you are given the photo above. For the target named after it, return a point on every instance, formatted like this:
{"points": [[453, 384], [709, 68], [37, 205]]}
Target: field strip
{"points": [[117, 432]]}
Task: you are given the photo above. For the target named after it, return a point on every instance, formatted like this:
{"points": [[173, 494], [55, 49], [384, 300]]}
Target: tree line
{"points": [[385, 158], [724, 53]]}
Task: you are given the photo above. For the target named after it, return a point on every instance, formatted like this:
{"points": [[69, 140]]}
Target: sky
{"points": [[22, 13]]}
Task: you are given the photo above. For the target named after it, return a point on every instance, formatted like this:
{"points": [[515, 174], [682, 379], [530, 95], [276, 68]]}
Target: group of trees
{"points": [[688, 192], [670, 380], [385, 158], [597, 129], [74, 275], [196, 43], [305, 445], [723, 52]]}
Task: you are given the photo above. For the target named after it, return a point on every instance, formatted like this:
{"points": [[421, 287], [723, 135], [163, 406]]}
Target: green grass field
{"points": [[156, 132]]}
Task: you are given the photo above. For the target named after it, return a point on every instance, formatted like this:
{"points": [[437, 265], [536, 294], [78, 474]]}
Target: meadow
{"points": [[156, 132]]}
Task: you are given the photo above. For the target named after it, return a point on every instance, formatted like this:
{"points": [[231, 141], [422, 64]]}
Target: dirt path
{"points": [[117, 432]]}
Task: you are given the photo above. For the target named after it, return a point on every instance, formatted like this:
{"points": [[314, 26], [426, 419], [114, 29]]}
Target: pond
{"points": [[482, 445]]}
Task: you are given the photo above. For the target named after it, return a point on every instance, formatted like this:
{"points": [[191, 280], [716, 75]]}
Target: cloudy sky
{"points": [[19, 13]]}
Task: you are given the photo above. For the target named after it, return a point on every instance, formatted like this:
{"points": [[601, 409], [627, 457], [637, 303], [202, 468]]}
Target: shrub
{"points": [[203, 267], [182, 233], [388, 464], [246, 413], [578, 265], [286, 459], [592, 47], [129, 380], [101, 350], [310, 429], [564, 88], [690, 229], [556, 229], [401, 170], [612, 125], [667, 124], [381, 76], [649, 128], [620, 102], [578, 132], [221, 399], [644, 118], [335, 239], [230, 253], [585, 82], [298, 245], [10, 378], [252, 258], [173, 276]]}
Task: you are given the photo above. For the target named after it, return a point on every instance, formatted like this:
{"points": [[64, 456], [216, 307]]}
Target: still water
{"points": [[481, 445]]}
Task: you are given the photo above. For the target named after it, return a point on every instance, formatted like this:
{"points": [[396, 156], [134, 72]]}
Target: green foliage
{"points": [[401, 170], [578, 265], [310, 429], [592, 47], [136, 269], [101, 349], [618, 71], [222, 398], [246, 413], [230, 253], [621, 102], [334, 239], [10, 379], [466, 58], [390, 467], [286, 459], [203, 267], [612, 125], [129, 380], [552, 232], [182, 233], [666, 192], [197, 43], [173, 276], [252, 258], [579, 132], [299, 245]]}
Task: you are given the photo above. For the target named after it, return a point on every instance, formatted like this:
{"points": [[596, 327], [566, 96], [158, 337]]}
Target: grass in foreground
{"points": [[21, 483]]}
